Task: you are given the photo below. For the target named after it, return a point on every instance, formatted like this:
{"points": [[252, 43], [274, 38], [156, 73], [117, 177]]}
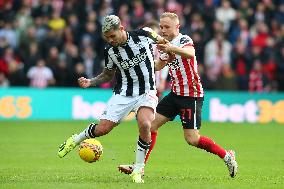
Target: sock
{"points": [[153, 138], [210, 146], [87, 133], [141, 151], [227, 157]]}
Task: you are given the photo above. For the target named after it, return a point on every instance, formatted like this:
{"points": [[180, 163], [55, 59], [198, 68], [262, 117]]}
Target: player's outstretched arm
{"points": [[105, 76], [186, 52], [155, 36]]}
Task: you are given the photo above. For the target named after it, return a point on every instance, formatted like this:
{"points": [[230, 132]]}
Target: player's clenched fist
{"points": [[84, 82]]}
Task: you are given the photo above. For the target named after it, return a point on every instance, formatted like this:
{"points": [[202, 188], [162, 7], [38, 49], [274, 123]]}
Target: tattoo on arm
{"points": [[105, 76]]}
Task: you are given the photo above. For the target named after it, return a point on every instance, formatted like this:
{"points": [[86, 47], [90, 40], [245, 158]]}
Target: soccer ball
{"points": [[90, 150]]}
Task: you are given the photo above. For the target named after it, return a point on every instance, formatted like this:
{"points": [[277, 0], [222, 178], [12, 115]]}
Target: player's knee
{"points": [[145, 125]]}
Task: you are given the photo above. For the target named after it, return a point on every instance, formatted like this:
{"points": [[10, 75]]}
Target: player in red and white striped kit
{"points": [[186, 96]]}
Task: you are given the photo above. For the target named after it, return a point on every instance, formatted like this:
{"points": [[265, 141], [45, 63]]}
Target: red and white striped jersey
{"points": [[185, 80]]}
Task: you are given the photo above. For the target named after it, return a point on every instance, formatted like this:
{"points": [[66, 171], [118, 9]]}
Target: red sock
{"points": [[153, 138], [210, 146]]}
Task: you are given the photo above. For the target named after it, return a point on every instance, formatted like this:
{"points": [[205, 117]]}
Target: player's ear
{"points": [[121, 27], [178, 26]]}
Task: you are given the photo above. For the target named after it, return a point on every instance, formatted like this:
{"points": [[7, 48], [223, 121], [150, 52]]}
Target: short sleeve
{"points": [[185, 41]]}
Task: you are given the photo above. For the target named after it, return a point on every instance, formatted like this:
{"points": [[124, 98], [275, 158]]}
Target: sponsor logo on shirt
{"points": [[174, 65], [126, 64]]}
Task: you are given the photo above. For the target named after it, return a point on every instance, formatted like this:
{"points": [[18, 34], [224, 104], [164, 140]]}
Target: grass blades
{"points": [[28, 157]]}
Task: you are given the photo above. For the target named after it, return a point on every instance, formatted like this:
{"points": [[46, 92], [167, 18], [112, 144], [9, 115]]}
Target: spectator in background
{"points": [[41, 27], [217, 27], [226, 14], [23, 18], [217, 53], [7, 12], [53, 58], [72, 55], [279, 15], [227, 79], [69, 11], [10, 34], [44, 9], [257, 80], [137, 13], [17, 76], [71, 26], [74, 26], [68, 36], [31, 57], [241, 65], [240, 32], [199, 47], [3, 45], [280, 67], [8, 59], [260, 34], [245, 11], [53, 39], [4, 82], [62, 74], [89, 62], [123, 13], [40, 75], [91, 35], [208, 10], [26, 38], [259, 14]]}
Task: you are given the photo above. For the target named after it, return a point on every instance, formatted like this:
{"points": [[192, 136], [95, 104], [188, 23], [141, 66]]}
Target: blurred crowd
{"points": [[239, 43]]}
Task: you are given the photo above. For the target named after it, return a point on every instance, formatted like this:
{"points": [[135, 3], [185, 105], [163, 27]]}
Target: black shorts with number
{"points": [[188, 108]]}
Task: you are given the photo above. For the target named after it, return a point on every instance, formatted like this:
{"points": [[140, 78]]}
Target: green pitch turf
{"points": [[28, 157]]}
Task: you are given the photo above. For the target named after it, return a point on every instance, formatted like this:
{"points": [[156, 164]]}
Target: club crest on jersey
{"points": [[126, 64], [184, 40]]}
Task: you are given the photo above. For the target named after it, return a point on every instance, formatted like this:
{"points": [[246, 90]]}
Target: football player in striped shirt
{"points": [[130, 59], [186, 96], [161, 75]]}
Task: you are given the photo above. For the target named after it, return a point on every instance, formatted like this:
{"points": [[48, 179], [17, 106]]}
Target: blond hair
{"points": [[110, 22], [170, 15]]}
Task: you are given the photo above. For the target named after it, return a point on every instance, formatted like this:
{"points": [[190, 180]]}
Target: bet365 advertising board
{"points": [[80, 104]]}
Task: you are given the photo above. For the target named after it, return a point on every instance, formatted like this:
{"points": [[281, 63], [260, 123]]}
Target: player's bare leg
{"points": [[145, 116], [193, 138], [157, 123], [128, 169]]}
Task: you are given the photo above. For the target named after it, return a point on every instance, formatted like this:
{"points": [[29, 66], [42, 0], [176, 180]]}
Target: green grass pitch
{"points": [[28, 157]]}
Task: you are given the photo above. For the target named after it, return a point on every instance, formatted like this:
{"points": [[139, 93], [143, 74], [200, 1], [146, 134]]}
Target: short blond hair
{"points": [[170, 15], [110, 22]]}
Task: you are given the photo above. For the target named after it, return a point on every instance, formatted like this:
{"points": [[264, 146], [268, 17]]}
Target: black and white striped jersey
{"points": [[134, 63]]}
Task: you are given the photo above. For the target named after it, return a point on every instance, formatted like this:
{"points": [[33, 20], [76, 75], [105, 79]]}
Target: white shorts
{"points": [[120, 106]]}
